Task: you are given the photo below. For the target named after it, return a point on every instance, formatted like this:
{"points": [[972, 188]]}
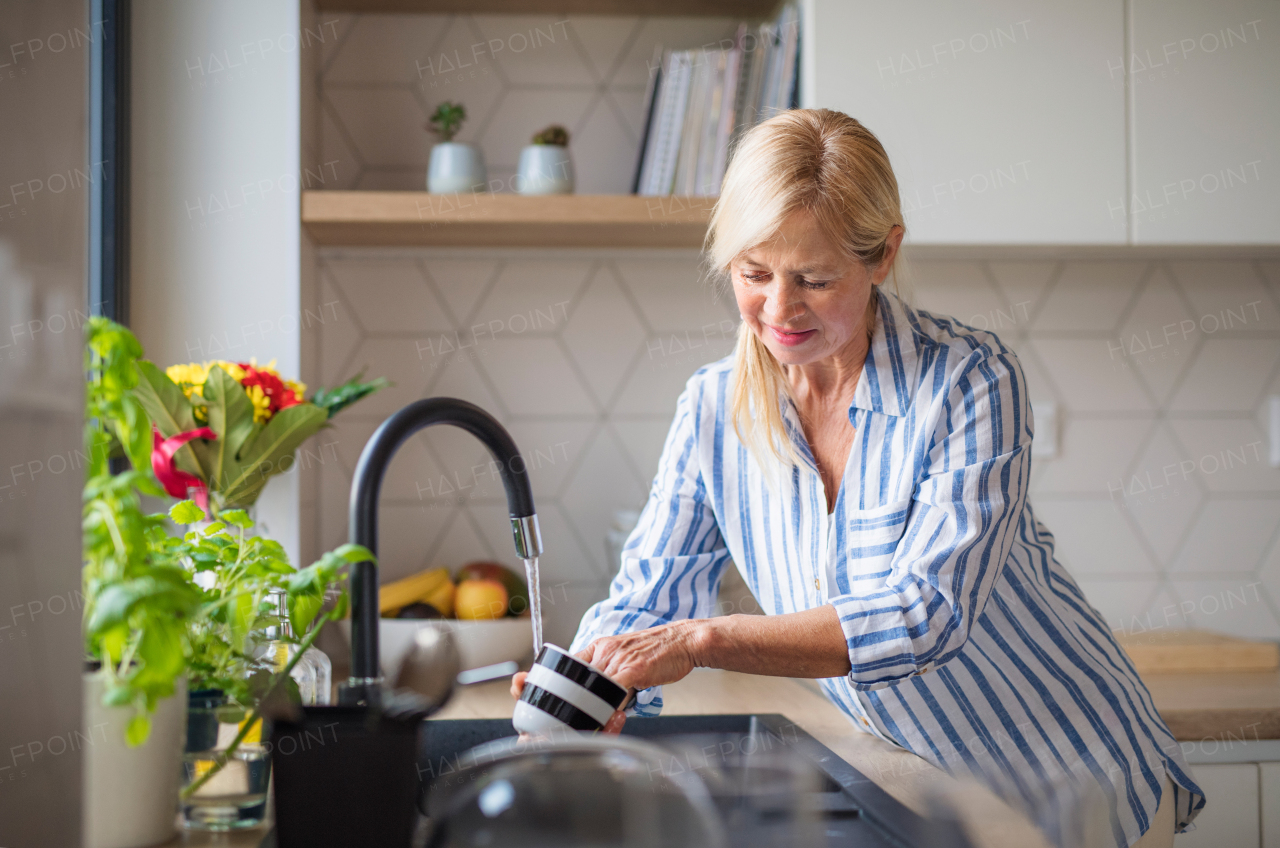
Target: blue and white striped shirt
{"points": [[970, 644]]}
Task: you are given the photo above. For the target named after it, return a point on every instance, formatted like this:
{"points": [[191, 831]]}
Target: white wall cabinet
{"points": [[1230, 819], [1269, 787], [1001, 118], [1205, 81], [1097, 122]]}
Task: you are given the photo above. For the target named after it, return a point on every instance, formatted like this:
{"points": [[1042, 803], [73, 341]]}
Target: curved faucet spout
{"points": [[367, 486]]}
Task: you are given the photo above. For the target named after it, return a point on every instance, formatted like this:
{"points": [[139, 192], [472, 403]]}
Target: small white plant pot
{"points": [[456, 167], [131, 794], [545, 169]]}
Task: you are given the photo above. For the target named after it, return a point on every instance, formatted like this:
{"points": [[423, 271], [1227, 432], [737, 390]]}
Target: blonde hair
{"points": [[827, 164]]}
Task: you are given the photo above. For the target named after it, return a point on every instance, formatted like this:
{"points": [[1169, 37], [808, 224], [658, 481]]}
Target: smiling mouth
{"points": [[791, 337]]}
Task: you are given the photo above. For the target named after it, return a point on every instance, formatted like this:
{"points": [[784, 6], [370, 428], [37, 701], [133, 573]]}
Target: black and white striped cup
{"points": [[564, 693]]}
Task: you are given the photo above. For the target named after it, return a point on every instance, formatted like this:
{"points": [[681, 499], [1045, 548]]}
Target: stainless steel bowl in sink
{"points": [[571, 790]]}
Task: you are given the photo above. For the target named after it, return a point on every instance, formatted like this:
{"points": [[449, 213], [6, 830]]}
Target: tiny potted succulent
{"points": [[545, 166], [455, 166]]}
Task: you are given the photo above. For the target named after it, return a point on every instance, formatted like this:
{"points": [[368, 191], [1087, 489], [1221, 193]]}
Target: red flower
{"points": [[279, 396], [176, 482]]}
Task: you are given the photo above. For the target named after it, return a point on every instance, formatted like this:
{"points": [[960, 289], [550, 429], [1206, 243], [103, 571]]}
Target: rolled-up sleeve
{"points": [[672, 561], [961, 526]]}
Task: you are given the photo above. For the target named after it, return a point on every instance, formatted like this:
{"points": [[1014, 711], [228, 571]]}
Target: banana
{"points": [[423, 586], [442, 597]]}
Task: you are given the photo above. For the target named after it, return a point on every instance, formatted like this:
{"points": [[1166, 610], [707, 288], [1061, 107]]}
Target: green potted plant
{"points": [[150, 627], [454, 166], [545, 166], [137, 606]]}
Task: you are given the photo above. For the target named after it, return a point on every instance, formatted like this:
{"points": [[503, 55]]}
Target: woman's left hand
{"points": [[645, 658], [636, 660]]}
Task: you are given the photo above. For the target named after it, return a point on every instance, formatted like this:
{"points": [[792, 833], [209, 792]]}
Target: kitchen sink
{"points": [[769, 781], [839, 804]]}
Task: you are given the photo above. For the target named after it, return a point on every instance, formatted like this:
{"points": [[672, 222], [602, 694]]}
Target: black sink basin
{"points": [[849, 808]]}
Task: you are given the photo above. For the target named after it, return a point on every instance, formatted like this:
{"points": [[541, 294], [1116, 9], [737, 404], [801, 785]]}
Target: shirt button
{"points": [[864, 721], [817, 585]]}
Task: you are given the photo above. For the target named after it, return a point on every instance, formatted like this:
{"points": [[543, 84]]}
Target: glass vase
{"points": [[230, 786]]}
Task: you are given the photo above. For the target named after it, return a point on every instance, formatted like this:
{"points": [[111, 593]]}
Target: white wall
{"points": [[216, 174]]}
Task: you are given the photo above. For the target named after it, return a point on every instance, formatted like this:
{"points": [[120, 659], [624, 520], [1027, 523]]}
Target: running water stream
{"points": [[535, 601]]}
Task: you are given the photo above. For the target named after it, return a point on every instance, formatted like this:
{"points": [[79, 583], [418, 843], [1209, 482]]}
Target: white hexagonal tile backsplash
{"points": [[514, 74], [1161, 498], [577, 352], [381, 49], [582, 355], [1090, 296]]}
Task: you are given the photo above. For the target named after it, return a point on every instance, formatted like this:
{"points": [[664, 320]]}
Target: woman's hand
{"points": [[637, 660], [645, 658]]}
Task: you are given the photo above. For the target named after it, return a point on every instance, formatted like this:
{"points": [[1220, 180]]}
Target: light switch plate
{"points": [[1045, 415]]}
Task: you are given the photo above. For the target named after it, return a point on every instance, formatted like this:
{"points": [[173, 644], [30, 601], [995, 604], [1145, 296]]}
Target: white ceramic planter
{"points": [[545, 169], [456, 167], [131, 794]]}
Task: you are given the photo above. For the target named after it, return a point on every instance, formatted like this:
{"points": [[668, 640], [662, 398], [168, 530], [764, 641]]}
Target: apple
{"points": [[517, 593], [480, 600]]}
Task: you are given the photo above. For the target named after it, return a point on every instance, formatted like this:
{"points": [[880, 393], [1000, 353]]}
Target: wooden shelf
{"points": [[407, 218], [663, 8]]}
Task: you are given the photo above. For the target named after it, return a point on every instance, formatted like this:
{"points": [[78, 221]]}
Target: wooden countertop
{"points": [[1209, 685], [1218, 705]]}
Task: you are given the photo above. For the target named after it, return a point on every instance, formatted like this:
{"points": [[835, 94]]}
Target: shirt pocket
{"points": [[870, 540]]}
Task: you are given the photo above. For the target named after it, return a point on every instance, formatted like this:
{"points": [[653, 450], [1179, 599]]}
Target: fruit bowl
{"points": [[480, 643]]}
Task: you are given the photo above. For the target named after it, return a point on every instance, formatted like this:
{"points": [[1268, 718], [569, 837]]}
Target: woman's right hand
{"points": [[613, 725]]}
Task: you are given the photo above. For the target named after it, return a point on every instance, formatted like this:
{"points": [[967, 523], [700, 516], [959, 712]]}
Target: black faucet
{"points": [[365, 489]]}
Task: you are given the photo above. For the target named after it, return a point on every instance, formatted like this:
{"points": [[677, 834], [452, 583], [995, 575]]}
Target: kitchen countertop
{"points": [[1224, 706], [1218, 705], [909, 779]]}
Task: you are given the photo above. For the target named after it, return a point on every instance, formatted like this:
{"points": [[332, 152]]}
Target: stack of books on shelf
{"points": [[701, 101]]}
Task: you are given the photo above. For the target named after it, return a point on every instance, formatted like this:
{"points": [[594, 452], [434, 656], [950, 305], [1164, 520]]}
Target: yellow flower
{"points": [[190, 378], [236, 372], [261, 404], [191, 373]]}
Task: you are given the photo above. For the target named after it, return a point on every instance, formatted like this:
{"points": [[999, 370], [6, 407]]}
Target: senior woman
{"points": [[865, 467]]}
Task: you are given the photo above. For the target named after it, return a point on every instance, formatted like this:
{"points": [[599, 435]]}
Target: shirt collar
{"points": [[889, 375]]}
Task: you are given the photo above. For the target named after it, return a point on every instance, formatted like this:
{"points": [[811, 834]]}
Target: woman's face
{"points": [[802, 297]]}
